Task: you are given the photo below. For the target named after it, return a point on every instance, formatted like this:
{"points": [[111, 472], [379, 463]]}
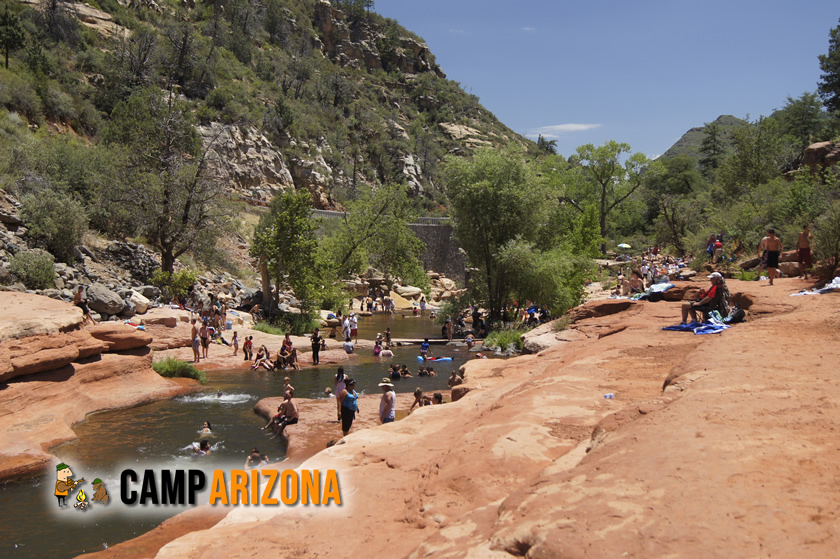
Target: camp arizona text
{"points": [[246, 487]]}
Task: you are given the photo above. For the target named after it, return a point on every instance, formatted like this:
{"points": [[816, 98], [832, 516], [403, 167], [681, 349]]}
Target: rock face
{"points": [[52, 376], [354, 44], [533, 460], [246, 160], [821, 155]]}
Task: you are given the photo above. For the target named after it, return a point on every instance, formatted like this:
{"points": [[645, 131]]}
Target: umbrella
{"points": [[624, 245]]}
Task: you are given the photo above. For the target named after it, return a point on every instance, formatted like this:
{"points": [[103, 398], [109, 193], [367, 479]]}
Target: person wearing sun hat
{"points": [[716, 298], [388, 403]]}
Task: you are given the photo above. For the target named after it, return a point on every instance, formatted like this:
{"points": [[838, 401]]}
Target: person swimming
{"points": [[206, 429], [203, 449]]}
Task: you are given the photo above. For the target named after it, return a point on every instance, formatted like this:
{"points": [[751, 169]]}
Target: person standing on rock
{"points": [[354, 327], [340, 383], [388, 402], [773, 245], [204, 334], [315, 340], [235, 342], [345, 328], [348, 402], [803, 249], [196, 341], [80, 301]]}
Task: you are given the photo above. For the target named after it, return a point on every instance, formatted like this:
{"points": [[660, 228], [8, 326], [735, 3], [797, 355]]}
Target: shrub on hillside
{"points": [[174, 368], [175, 284], [56, 221], [33, 268]]}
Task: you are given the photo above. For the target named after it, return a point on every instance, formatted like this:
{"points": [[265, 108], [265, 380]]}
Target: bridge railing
{"points": [[330, 214]]}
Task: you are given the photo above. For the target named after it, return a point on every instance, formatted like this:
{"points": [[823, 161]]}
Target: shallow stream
{"points": [[163, 432]]}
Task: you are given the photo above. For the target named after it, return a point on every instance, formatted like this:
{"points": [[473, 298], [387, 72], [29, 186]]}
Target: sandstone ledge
{"points": [[705, 469], [52, 374]]}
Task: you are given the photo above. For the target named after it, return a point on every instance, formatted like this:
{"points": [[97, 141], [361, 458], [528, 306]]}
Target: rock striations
{"points": [[53, 373]]}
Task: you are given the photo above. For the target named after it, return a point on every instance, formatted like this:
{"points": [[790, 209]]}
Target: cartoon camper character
{"points": [[101, 494], [64, 484]]}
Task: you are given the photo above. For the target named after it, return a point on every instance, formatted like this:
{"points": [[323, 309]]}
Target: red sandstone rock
{"points": [[599, 308], [120, 337], [30, 315], [736, 463]]}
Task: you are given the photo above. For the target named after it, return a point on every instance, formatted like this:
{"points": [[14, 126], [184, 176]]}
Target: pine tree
{"points": [[11, 33], [829, 85]]}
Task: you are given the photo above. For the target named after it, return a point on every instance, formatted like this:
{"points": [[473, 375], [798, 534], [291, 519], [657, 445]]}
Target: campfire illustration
{"points": [[81, 500]]}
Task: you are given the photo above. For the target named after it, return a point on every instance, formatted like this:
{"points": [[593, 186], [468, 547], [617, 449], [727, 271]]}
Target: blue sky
{"points": [[636, 72]]}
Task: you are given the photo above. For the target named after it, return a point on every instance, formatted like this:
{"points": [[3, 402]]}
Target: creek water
{"points": [[163, 432]]}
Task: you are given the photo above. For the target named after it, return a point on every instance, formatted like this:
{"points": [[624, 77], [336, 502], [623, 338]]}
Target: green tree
{"points": [[611, 181], [374, 233], [712, 149], [285, 243], [56, 222], [829, 84], [494, 200], [11, 33], [671, 193], [176, 200], [803, 119], [546, 146], [757, 157], [827, 239]]}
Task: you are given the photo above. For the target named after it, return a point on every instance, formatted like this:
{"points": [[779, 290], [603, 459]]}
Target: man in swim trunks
{"points": [[803, 249], [773, 245], [204, 334], [196, 341]]}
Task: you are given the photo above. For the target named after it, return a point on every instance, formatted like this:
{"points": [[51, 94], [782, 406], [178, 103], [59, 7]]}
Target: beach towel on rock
{"points": [[712, 327]]}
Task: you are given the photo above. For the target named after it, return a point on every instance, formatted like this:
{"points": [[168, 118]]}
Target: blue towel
{"points": [[699, 328]]}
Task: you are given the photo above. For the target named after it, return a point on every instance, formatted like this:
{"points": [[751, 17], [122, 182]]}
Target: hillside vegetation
{"points": [[342, 97]]}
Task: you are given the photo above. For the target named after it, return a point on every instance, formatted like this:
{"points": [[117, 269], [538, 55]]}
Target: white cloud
{"points": [[529, 29], [555, 131], [459, 31]]}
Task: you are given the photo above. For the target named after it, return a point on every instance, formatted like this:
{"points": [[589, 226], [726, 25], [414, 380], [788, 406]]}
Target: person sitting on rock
{"points": [[263, 359], [80, 301], [716, 298], [348, 345], [420, 399]]}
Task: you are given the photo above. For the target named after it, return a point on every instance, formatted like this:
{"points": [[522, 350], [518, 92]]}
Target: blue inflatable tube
{"points": [[438, 359]]}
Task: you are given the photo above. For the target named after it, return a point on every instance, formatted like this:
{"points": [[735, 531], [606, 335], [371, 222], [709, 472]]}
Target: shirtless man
{"points": [[803, 249], [196, 341], [204, 334], [773, 245], [289, 413]]}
